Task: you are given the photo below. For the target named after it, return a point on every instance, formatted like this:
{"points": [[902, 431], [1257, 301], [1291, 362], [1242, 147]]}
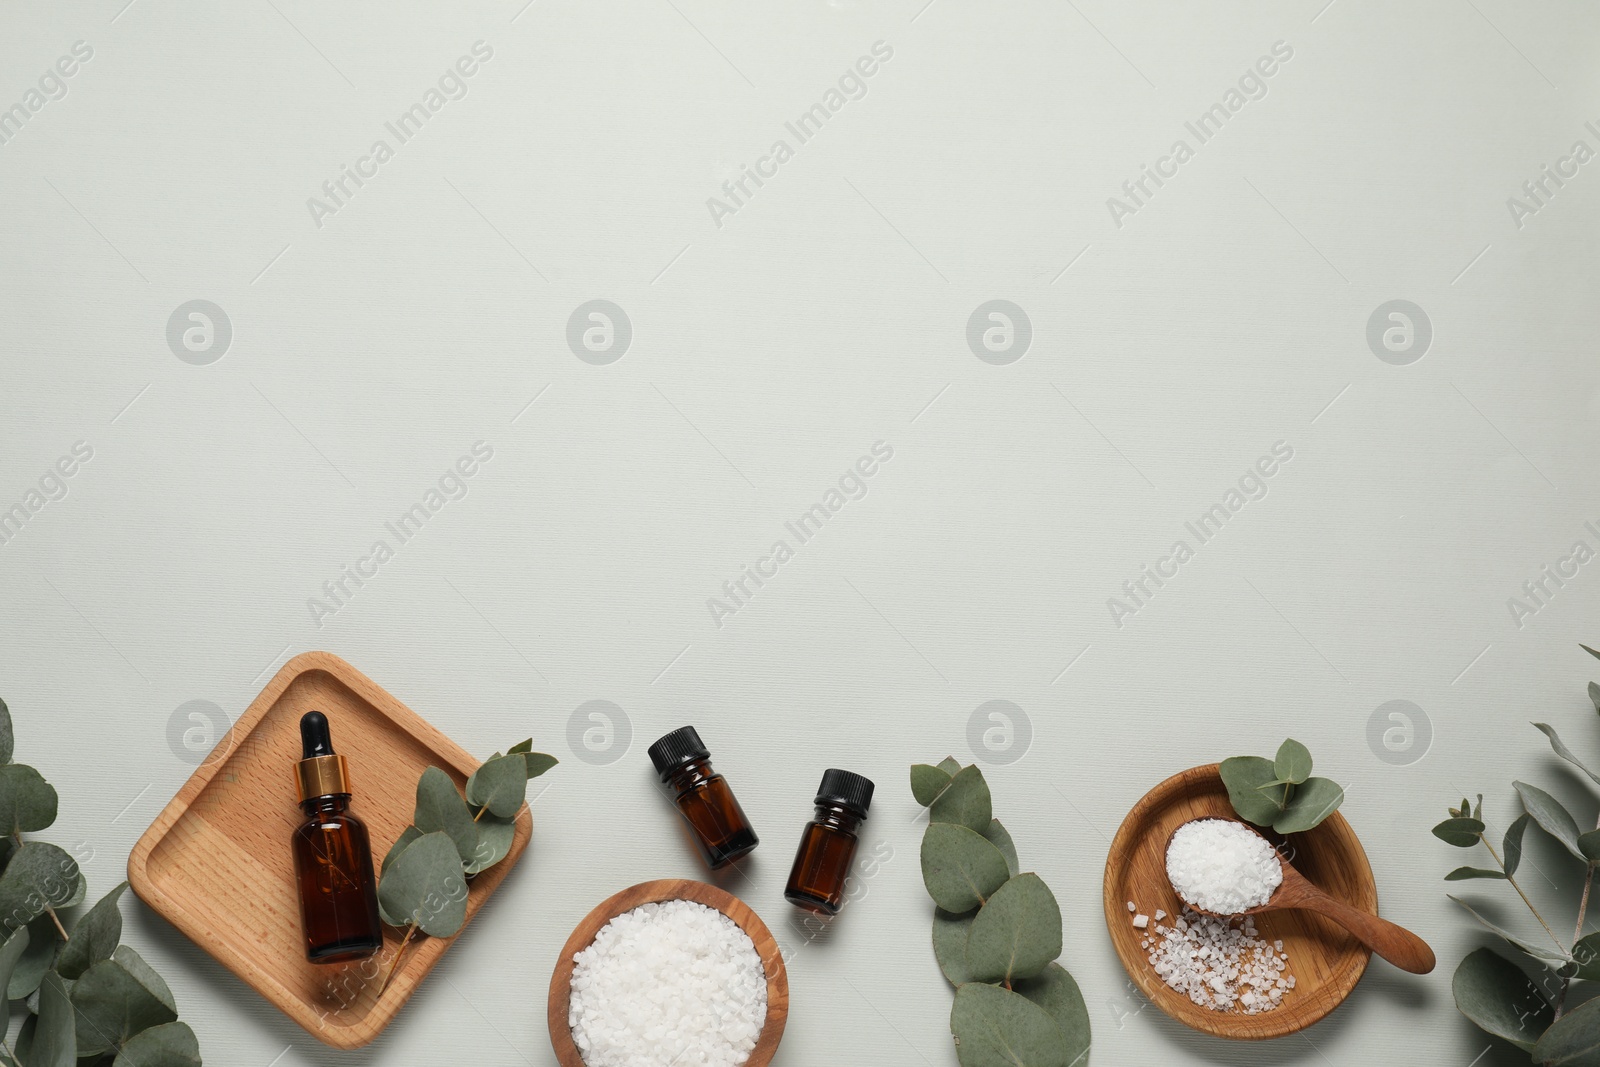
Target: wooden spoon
{"points": [[1393, 942]]}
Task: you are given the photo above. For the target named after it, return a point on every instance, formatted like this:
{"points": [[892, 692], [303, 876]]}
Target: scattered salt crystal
{"points": [[1160, 915], [1141, 921], [1222, 866], [669, 983], [1219, 963], [1132, 906]]}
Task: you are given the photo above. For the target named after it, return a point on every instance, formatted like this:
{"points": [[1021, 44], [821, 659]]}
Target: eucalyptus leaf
{"points": [[959, 867], [1552, 818], [1586, 953], [1244, 776], [10, 953], [94, 938], [950, 944], [425, 885], [1017, 932], [1594, 695], [7, 736], [494, 842], [1511, 846], [950, 765], [1460, 832], [1558, 956], [1500, 999], [965, 802], [39, 875], [1462, 874], [1589, 845], [927, 782], [1313, 800], [440, 808], [54, 1041], [1572, 1040], [144, 974], [80, 891], [1589, 650], [37, 958], [996, 1027], [112, 1005], [525, 745], [168, 1045], [537, 763], [1293, 763], [1000, 838], [500, 784], [27, 802], [1564, 752], [408, 835], [23, 1045], [1056, 992], [32, 1001]]}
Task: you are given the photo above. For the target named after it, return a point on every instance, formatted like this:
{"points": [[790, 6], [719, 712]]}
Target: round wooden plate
{"points": [[1326, 961], [653, 893]]}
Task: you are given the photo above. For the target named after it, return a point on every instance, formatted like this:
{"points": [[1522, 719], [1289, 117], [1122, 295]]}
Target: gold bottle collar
{"points": [[322, 776]]}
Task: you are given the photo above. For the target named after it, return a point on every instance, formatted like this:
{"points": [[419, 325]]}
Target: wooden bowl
{"points": [[1325, 960], [656, 892]]}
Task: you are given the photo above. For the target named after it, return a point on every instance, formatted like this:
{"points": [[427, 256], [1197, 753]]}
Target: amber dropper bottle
{"points": [[716, 821], [332, 856], [828, 843]]}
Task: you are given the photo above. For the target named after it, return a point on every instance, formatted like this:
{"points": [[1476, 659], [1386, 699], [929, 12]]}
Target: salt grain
{"points": [[669, 983], [1222, 866], [1220, 963]]}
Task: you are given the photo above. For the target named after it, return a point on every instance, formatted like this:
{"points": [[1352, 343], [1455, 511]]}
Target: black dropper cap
{"points": [[314, 737], [845, 789], [677, 748]]}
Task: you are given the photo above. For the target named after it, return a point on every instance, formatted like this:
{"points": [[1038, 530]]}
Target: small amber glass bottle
{"points": [[828, 843], [332, 856], [716, 821]]}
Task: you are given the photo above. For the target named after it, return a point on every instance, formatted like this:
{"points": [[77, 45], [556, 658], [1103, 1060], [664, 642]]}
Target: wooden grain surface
{"points": [[216, 863], [653, 892], [1325, 960]]}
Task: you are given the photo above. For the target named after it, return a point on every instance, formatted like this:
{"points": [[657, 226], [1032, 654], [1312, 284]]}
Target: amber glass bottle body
{"points": [[716, 821], [338, 892], [822, 863]]}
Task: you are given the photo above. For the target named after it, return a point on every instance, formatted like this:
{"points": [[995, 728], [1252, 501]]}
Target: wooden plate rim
{"points": [[1264, 1026], [655, 891]]}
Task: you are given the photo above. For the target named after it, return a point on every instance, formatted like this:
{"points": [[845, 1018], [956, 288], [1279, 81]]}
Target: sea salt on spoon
{"points": [[1219, 862]]}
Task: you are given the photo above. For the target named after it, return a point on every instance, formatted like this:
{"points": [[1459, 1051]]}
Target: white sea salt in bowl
{"points": [[669, 972], [1222, 866]]}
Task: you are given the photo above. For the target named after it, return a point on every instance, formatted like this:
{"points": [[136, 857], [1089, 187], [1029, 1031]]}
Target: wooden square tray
{"points": [[216, 862]]}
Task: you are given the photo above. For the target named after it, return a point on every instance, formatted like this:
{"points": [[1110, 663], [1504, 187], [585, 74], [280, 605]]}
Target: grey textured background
{"points": [[828, 313]]}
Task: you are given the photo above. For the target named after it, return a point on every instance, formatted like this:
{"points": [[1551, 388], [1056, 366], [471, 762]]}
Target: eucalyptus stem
{"points": [[398, 953], [1512, 879], [1577, 933]]}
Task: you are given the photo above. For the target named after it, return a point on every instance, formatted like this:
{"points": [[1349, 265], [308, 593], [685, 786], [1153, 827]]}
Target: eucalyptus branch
{"points": [[1577, 932], [1512, 879]]}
